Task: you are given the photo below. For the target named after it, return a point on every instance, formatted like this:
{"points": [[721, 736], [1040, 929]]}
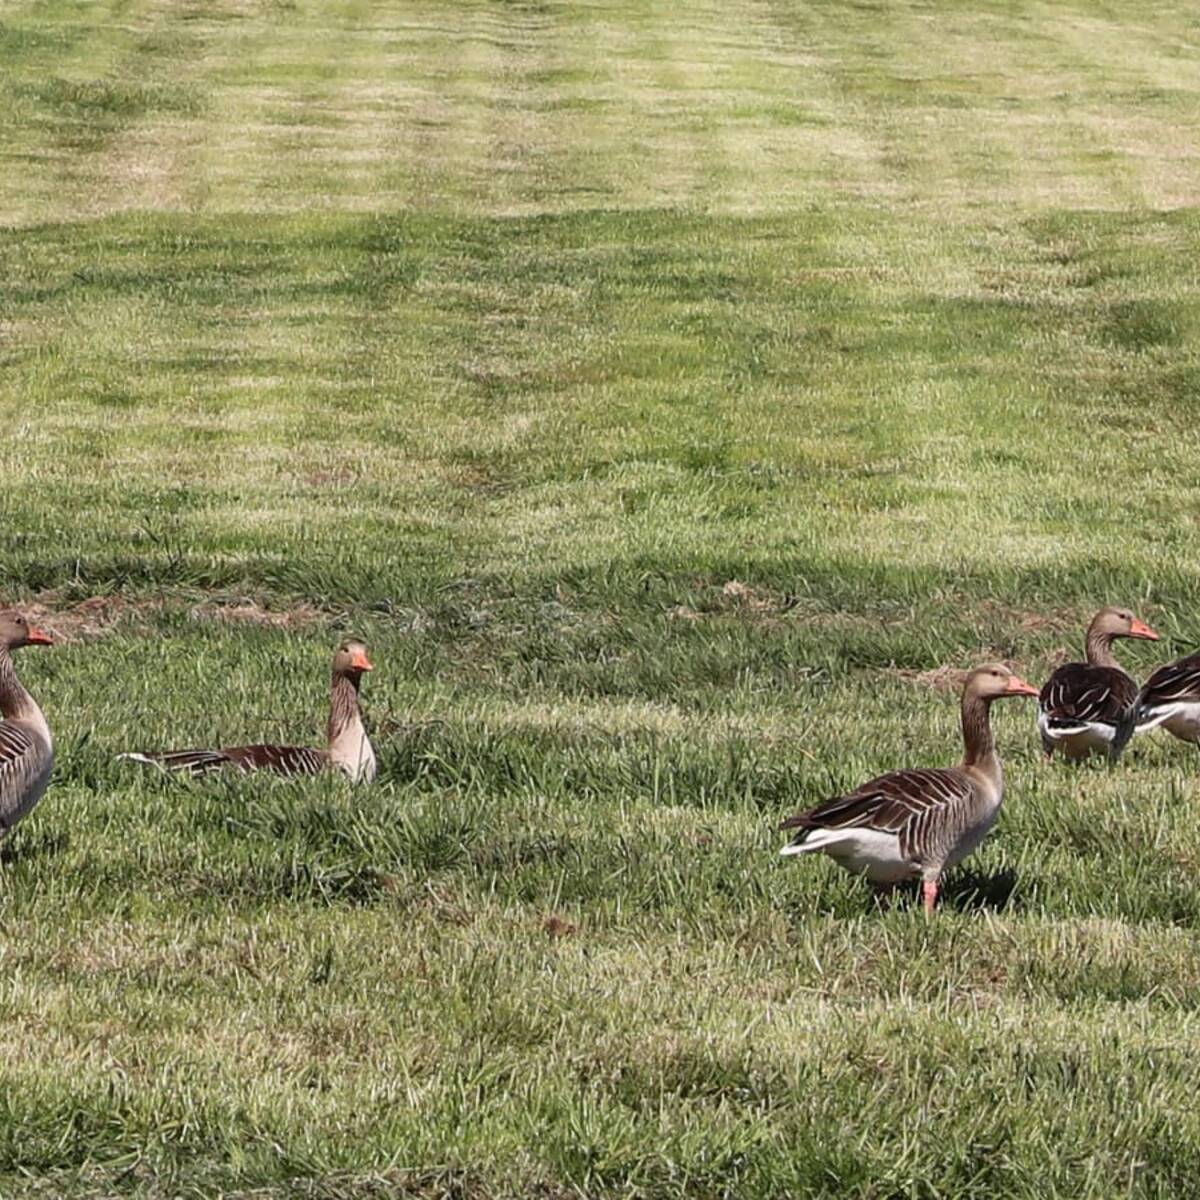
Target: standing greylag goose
{"points": [[1171, 698], [26, 747], [1089, 706], [916, 823], [348, 747]]}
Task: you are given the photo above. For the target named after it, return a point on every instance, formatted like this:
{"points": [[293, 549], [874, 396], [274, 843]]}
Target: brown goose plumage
{"points": [[916, 823], [1089, 707], [26, 747], [1171, 698], [348, 748]]}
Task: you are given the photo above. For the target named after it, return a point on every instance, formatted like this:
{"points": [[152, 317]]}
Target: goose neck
{"points": [[979, 747], [1099, 648], [343, 706], [15, 701]]}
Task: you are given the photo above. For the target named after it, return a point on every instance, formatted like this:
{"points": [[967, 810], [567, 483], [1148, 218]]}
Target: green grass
{"points": [[509, 335]]}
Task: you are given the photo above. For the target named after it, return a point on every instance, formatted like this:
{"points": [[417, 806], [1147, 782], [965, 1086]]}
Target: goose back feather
{"points": [[1171, 698], [1083, 708]]}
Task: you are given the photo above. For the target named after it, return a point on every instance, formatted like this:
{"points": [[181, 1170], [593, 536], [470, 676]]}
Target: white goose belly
{"points": [[1096, 739], [1184, 722], [1084, 739], [868, 852]]}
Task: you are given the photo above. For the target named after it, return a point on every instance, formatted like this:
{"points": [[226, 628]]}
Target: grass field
{"points": [[668, 392]]}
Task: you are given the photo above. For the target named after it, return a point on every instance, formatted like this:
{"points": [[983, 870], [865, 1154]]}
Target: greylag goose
{"points": [[1171, 698], [26, 747], [916, 823], [348, 747], [1089, 706]]}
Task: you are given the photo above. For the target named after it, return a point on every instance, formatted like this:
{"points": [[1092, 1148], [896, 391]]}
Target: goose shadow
{"points": [[22, 847], [964, 891], [973, 891]]}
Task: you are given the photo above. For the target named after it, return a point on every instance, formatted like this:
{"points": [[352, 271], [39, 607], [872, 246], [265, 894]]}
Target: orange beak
{"points": [[1018, 687], [360, 662], [36, 637], [1139, 629]]}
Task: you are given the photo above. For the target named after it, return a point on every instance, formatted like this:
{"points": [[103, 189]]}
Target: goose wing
{"points": [[1170, 687], [1079, 694], [1081, 698], [281, 760], [910, 804], [23, 762]]}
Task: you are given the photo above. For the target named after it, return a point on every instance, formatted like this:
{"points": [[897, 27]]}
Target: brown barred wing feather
{"points": [[908, 803], [183, 762], [21, 764], [1081, 693], [1085, 700], [16, 746], [1173, 685], [281, 760]]}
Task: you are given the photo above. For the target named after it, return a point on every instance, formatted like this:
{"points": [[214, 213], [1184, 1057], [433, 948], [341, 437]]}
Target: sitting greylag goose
{"points": [[1171, 698], [26, 747], [916, 823], [1089, 706], [348, 748]]}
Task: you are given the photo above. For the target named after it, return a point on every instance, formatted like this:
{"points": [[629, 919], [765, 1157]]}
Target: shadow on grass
{"points": [[20, 847], [964, 891], [970, 891]]}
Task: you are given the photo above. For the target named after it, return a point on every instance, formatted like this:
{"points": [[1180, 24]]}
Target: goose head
{"points": [[1116, 622], [993, 681], [16, 631], [351, 659]]}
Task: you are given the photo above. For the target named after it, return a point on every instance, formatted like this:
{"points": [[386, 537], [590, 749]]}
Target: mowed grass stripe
{"points": [[749, 108], [537, 392]]}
